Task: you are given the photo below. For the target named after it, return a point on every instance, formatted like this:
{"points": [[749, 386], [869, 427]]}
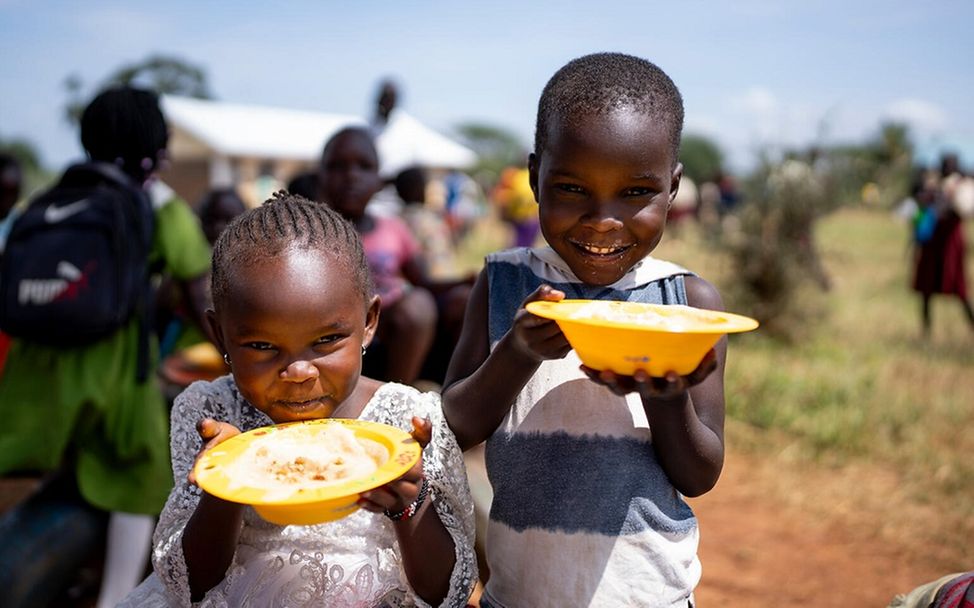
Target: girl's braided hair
{"points": [[285, 222]]}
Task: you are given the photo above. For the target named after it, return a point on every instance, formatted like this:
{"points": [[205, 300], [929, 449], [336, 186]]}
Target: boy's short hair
{"points": [[598, 83], [284, 222]]}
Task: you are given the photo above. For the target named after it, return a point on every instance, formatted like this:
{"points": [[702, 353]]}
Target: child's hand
{"points": [[537, 337], [398, 495], [212, 432], [670, 386]]}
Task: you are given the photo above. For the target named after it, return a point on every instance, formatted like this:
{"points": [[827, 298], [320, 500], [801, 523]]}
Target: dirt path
{"points": [[759, 547]]}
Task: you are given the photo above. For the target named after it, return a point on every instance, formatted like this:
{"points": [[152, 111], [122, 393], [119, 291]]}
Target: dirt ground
{"points": [[766, 543], [774, 533]]}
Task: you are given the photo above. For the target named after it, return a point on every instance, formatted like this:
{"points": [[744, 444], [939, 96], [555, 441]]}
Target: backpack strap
{"points": [[98, 171]]}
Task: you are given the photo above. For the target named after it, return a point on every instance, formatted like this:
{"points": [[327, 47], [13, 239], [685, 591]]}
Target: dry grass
{"points": [[861, 397]]}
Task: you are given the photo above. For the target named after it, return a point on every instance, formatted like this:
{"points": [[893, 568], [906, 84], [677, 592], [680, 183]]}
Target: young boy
{"points": [[588, 468]]}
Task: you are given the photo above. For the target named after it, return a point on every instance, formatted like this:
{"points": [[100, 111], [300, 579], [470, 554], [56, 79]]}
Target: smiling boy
{"points": [[588, 468]]}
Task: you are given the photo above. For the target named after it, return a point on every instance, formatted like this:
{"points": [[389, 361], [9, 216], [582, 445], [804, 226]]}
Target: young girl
{"points": [[588, 468], [293, 311]]}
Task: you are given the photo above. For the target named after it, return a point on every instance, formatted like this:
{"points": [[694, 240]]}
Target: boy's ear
{"points": [[533, 162], [214, 326], [675, 181], [371, 320]]}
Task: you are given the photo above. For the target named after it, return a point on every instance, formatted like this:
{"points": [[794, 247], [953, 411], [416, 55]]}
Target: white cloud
{"points": [[925, 117], [757, 100]]}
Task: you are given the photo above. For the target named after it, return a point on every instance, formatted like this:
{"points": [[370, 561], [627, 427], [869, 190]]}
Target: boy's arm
{"points": [[481, 384], [688, 428], [685, 413]]}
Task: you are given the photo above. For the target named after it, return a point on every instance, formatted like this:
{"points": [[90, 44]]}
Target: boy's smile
{"points": [[604, 183]]}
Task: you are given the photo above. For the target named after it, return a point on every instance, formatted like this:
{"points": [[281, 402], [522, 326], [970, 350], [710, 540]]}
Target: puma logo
{"points": [[39, 292], [55, 214]]}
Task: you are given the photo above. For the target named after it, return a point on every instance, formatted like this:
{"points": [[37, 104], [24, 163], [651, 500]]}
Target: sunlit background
{"points": [[753, 73]]}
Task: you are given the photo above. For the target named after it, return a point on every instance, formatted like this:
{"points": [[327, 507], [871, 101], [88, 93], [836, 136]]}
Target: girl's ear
{"points": [[675, 181], [371, 320], [214, 325]]}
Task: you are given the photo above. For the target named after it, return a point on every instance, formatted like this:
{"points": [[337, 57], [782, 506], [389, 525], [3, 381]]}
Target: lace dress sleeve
{"points": [[443, 466], [216, 400]]}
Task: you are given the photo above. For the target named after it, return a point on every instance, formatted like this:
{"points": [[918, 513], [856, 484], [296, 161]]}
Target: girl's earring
{"points": [[363, 351], [226, 359]]}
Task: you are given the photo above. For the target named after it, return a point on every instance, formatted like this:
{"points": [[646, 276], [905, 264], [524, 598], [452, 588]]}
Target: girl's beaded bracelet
{"points": [[414, 506]]}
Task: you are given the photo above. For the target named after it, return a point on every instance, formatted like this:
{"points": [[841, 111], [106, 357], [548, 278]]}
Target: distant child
{"points": [[589, 468], [293, 309], [347, 180], [217, 209], [173, 320], [939, 245], [433, 232]]}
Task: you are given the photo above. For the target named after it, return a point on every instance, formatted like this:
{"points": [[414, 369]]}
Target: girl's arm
{"points": [[481, 384], [211, 534], [428, 552], [176, 554]]}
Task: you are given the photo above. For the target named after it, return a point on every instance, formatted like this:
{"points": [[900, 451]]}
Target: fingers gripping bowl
{"points": [[627, 336], [306, 472]]}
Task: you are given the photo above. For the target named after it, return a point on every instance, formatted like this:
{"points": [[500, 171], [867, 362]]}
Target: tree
{"points": [[35, 176], [496, 148], [702, 159], [166, 75]]}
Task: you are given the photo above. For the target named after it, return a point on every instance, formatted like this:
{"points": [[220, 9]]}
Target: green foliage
{"points": [[770, 242], [163, 74], [35, 176], [877, 172], [496, 148], [702, 159]]}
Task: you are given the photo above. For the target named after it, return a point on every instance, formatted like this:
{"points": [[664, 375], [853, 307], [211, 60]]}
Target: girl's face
{"points": [[349, 174], [294, 326], [604, 184]]}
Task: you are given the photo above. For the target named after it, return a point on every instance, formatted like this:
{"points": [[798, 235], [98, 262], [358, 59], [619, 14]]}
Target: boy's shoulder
{"points": [[648, 269]]}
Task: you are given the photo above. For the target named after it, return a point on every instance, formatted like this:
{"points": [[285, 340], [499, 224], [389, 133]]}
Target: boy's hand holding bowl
{"points": [[658, 350]]}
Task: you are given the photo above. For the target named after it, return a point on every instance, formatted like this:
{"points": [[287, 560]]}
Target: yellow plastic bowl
{"points": [[306, 506], [628, 336]]}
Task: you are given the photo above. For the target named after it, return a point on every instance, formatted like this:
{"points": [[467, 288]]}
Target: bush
{"points": [[770, 243]]}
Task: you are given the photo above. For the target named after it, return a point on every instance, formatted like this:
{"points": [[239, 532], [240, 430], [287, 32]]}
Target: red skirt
{"points": [[940, 261]]}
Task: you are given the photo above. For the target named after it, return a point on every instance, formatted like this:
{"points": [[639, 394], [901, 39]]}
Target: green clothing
{"points": [[85, 406]]}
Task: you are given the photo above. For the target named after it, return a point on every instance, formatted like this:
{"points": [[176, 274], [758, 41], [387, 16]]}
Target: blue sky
{"points": [[753, 72]]}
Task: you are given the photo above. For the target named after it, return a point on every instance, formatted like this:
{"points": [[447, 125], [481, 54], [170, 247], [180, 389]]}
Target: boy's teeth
{"points": [[599, 250]]}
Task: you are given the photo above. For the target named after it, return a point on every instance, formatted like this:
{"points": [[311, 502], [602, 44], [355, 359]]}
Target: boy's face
{"points": [[604, 184], [294, 326], [349, 174]]}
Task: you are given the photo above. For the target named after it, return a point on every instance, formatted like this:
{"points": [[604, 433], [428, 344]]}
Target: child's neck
{"points": [[353, 406]]}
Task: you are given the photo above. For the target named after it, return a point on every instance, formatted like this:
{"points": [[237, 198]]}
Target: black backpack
{"points": [[75, 268]]}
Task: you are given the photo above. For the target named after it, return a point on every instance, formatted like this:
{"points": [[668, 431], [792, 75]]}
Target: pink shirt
{"points": [[388, 247]]}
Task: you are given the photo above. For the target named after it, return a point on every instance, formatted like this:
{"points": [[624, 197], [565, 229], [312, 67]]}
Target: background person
{"points": [[83, 411]]}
